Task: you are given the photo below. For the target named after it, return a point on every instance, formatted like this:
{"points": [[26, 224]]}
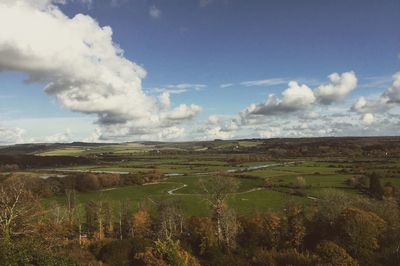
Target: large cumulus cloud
{"points": [[389, 99], [339, 87], [82, 67], [300, 97], [295, 97]]}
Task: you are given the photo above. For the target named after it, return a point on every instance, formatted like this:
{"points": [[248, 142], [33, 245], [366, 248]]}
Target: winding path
{"points": [[171, 191]]}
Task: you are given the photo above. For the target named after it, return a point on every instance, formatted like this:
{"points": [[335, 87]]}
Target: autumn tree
{"points": [[167, 252], [331, 254], [293, 229], [261, 230], [358, 232], [141, 223], [202, 235]]}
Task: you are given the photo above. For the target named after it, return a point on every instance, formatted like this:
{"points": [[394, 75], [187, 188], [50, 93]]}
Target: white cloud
{"points": [[154, 12], [178, 88], [81, 65], [368, 119], [296, 97], [300, 98], [218, 133], [271, 132], [226, 85], [376, 82], [387, 100], [393, 92], [94, 136], [362, 105], [213, 119], [60, 137], [264, 82], [164, 99], [341, 85], [12, 135], [183, 112]]}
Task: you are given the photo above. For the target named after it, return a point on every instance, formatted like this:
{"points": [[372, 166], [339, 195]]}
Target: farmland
{"points": [[265, 181]]}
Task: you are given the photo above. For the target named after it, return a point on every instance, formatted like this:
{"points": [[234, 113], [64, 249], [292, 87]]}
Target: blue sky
{"points": [[216, 42]]}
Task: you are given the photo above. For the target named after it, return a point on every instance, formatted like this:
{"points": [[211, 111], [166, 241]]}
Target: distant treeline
{"points": [[33, 161], [81, 182]]}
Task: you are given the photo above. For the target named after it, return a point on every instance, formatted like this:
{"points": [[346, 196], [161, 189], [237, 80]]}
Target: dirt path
{"points": [[171, 191]]}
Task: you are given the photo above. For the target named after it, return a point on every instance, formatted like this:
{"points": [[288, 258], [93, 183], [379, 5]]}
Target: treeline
{"points": [[338, 230], [81, 182], [32, 161]]}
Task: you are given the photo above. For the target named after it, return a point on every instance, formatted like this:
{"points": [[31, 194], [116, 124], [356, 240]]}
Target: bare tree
{"points": [[230, 228], [217, 189], [71, 205], [18, 210], [170, 220]]}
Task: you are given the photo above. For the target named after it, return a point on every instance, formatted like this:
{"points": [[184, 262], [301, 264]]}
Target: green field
{"points": [[189, 162], [251, 195]]}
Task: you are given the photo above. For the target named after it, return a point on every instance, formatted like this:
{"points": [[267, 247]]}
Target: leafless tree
{"points": [[171, 220], [217, 189], [18, 210]]}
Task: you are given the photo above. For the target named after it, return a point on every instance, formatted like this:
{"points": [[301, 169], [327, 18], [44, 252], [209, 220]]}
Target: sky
{"points": [[179, 70]]}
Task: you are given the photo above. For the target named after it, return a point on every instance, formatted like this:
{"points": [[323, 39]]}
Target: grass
{"points": [[249, 197]]}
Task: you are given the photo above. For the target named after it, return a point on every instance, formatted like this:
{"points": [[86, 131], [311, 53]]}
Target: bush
{"points": [[16, 254], [283, 258], [118, 252], [332, 254]]}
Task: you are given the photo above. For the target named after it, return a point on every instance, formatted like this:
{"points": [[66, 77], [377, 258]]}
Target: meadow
{"points": [[265, 182], [183, 173]]}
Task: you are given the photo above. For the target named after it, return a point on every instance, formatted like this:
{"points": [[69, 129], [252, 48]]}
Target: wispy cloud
{"points": [[264, 82], [226, 85], [376, 82], [177, 88], [154, 12], [204, 3]]}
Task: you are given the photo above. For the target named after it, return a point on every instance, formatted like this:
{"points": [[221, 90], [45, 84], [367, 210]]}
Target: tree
{"points": [[202, 235], [230, 229], [293, 227], [217, 189], [167, 252], [300, 182], [263, 257], [375, 187], [99, 219], [171, 220], [261, 230], [331, 254], [18, 210], [71, 205], [358, 231], [141, 224], [323, 218], [124, 220], [87, 182]]}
